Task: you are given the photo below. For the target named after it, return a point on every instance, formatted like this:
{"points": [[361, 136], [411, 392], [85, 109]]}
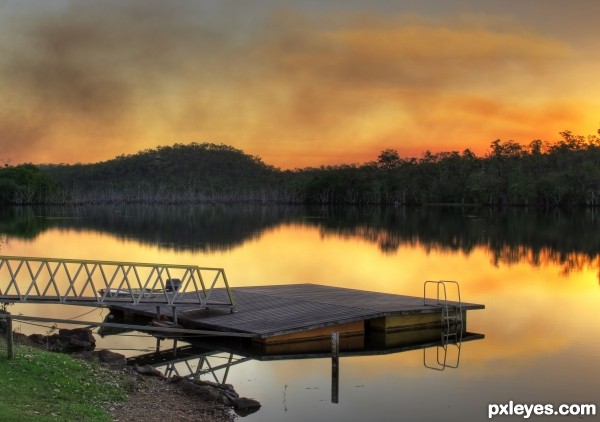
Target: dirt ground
{"points": [[155, 400]]}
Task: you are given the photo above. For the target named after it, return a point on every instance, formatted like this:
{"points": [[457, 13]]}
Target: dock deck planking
{"points": [[268, 311]]}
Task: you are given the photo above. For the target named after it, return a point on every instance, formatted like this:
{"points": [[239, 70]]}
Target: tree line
{"points": [[548, 174], [565, 172]]}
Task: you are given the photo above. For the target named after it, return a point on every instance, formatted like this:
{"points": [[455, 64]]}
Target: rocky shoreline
{"points": [[214, 401]]}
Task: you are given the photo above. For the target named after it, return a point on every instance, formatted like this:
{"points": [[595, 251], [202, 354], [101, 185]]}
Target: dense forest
{"points": [[561, 173], [26, 184]]}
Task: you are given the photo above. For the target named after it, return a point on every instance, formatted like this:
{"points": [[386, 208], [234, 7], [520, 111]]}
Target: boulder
{"points": [[148, 370], [208, 391], [111, 358], [76, 339], [202, 392], [244, 406], [38, 338]]}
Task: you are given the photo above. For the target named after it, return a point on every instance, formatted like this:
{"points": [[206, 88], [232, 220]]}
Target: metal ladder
{"points": [[451, 324]]}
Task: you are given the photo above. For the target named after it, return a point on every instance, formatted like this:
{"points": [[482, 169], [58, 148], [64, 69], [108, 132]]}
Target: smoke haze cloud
{"points": [[88, 80]]}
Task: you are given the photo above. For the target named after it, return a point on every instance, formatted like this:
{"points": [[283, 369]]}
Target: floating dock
{"points": [[281, 314], [285, 319]]}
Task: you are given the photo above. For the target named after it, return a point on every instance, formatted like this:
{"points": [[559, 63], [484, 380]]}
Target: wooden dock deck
{"points": [[287, 313]]}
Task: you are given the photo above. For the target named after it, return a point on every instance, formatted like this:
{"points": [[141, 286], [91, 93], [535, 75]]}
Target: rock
{"points": [[226, 389], [111, 358], [38, 338], [206, 390], [175, 379], [86, 355], [20, 338], [148, 370], [76, 344], [204, 393], [80, 334], [245, 406], [75, 339]]}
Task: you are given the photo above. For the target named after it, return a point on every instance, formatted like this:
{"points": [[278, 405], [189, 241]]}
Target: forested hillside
{"points": [[561, 173], [192, 172]]}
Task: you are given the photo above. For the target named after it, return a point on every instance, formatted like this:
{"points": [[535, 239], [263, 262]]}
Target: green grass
{"points": [[45, 386]]}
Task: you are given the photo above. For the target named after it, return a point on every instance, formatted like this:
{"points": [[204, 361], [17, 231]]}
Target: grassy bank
{"points": [[45, 386]]}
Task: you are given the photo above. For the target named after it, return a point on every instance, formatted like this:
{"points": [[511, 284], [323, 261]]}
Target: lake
{"points": [[537, 273]]}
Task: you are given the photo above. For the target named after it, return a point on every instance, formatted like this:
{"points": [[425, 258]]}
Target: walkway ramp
{"points": [[106, 283]]}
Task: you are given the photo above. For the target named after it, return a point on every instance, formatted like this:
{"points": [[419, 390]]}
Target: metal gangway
{"points": [[452, 325], [106, 283]]}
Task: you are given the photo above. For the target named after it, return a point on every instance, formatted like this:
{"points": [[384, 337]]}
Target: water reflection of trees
{"points": [[511, 235], [22, 222], [177, 227], [565, 237]]}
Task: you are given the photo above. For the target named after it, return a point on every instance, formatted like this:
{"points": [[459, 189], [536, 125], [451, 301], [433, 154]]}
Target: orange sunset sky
{"points": [[298, 83]]}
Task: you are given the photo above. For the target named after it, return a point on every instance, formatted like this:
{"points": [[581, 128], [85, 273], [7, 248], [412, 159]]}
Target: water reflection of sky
{"points": [[540, 324]]}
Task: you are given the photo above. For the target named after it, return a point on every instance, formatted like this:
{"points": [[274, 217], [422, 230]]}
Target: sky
{"points": [[297, 83]]}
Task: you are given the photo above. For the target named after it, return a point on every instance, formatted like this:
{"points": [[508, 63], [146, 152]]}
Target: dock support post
{"points": [[335, 367], [10, 347]]}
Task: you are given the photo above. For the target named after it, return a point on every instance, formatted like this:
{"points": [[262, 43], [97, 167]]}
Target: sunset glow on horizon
{"points": [[302, 84]]}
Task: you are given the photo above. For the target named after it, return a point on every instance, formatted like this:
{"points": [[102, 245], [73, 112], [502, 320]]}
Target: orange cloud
{"points": [[371, 83], [86, 83]]}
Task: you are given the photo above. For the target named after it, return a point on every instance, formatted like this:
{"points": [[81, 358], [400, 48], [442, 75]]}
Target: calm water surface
{"points": [[537, 274]]}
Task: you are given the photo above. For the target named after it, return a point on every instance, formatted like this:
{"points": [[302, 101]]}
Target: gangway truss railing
{"points": [[189, 363], [106, 283], [197, 366]]}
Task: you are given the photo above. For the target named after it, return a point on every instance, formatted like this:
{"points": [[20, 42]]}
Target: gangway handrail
{"points": [[97, 282], [109, 262]]}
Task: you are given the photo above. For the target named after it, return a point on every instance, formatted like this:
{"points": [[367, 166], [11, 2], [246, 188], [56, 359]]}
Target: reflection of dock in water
{"points": [[215, 356], [191, 362]]}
